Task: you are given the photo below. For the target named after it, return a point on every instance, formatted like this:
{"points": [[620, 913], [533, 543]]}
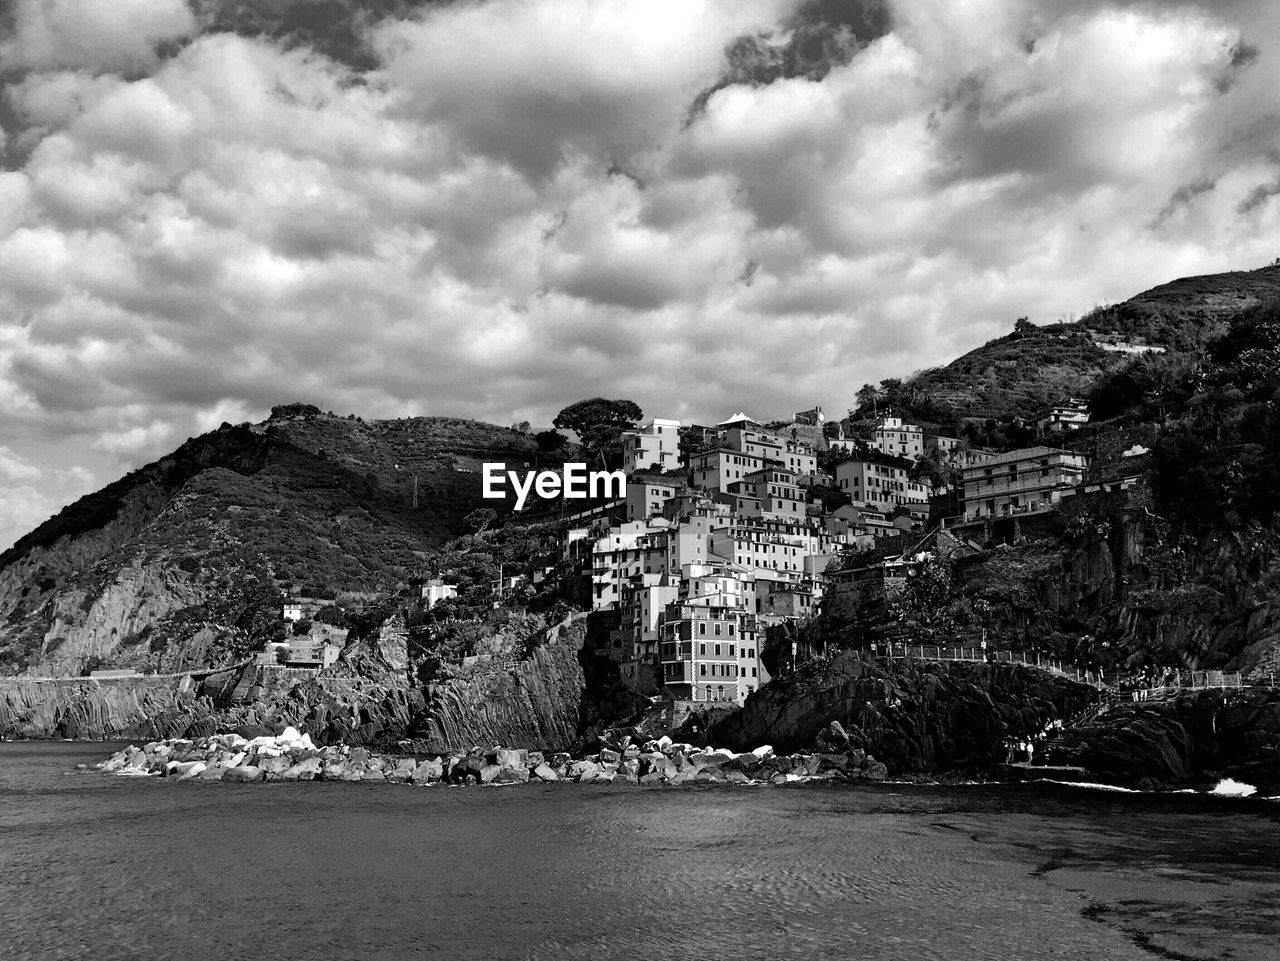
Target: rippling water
{"points": [[108, 867]]}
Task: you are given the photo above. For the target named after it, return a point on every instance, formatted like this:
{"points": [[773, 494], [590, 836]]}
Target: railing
{"points": [[195, 673], [939, 652]]}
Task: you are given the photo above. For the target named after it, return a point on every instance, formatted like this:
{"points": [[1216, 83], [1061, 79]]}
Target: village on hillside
{"points": [[728, 530]]}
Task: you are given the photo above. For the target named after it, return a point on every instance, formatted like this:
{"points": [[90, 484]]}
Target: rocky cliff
{"points": [[141, 707], [535, 703], [916, 717], [1193, 740]]}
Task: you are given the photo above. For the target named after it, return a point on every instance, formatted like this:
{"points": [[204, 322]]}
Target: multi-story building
{"points": [[644, 603], [893, 436], [616, 558], [656, 446], [1021, 481], [709, 645], [776, 491], [1071, 414], [716, 469], [646, 495], [880, 486]]}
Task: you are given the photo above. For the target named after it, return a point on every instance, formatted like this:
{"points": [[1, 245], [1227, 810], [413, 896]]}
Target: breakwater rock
{"points": [[1194, 739], [293, 756], [918, 717]]}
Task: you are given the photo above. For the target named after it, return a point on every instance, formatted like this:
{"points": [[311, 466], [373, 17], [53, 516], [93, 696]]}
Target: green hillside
{"points": [[1014, 375]]}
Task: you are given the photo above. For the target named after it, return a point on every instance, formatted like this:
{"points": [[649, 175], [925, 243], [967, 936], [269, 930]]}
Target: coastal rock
{"points": [[916, 717], [544, 773], [307, 770], [432, 769], [512, 775], [403, 770], [243, 774]]}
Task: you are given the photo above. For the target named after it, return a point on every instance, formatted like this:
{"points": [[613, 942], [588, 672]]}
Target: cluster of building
{"points": [[722, 533]]}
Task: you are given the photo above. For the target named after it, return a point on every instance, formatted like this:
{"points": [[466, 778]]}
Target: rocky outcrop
{"points": [[1195, 739], [103, 709], [535, 702], [916, 717]]}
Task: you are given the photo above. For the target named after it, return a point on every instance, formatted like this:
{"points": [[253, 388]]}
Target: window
{"points": [[702, 649], [753, 672], [702, 670], [717, 649], [702, 629]]}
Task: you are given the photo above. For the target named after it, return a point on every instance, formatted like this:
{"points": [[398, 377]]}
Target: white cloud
{"points": [[93, 34], [521, 207]]}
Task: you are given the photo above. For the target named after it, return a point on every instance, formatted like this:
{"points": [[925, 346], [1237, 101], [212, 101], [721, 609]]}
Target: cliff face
{"points": [[1206, 602], [914, 717], [103, 709], [1196, 739], [534, 703]]}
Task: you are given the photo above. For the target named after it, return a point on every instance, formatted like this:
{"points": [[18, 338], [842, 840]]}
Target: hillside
{"points": [[1014, 375], [196, 547]]}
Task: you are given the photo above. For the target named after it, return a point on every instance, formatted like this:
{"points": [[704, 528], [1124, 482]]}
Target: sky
{"points": [[492, 209]]}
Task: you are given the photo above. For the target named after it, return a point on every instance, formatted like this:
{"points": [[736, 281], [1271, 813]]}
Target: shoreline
{"points": [[292, 756]]}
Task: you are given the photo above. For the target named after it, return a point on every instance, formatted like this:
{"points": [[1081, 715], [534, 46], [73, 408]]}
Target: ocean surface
{"points": [[102, 867]]}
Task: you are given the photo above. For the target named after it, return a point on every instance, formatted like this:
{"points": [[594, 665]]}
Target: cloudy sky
{"points": [[492, 209]]}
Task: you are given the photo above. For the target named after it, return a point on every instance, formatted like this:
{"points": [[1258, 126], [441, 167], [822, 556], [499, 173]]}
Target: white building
{"points": [[656, 446], [893, 436]]}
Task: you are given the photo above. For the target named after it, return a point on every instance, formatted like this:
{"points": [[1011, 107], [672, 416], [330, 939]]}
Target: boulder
{"points": [[736, 777], [533, 759], [653, 777], [875, 770], [374, 774], [185, 770], [306, 770], [243, 774], [833, 762], [544, 773], [609, 756], [432, 769], [512, 775], [213, 773], [402, 770], [273, 767], [582, 770], [469, 766], [508, 758], [488, 773]]}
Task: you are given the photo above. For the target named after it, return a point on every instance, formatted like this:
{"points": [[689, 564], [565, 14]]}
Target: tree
{"points": [[481, 519], [923, 601], [549, 440], [600, 423], [1023, 326]]}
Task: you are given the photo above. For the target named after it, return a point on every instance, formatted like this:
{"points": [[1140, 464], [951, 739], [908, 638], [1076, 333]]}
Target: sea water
{"points": [[95, 866]]}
